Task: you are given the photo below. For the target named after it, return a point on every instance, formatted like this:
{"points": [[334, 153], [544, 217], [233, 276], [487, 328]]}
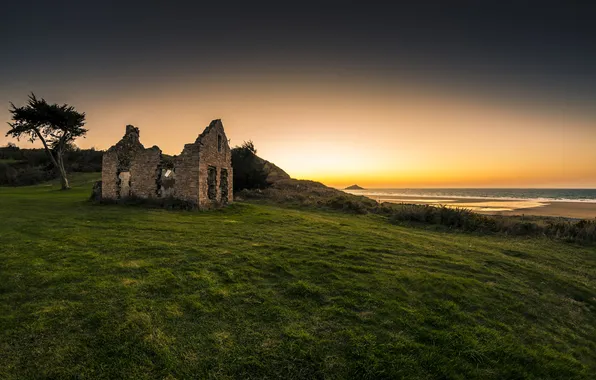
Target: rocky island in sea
{"points": [[354, 187]]}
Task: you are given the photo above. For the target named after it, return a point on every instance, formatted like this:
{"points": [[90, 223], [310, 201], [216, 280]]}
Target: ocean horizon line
{"points": [[509, 194], [472, 188]]}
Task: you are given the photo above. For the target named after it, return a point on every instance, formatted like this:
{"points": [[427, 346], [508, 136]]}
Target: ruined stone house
{"points": [[200, 175]]}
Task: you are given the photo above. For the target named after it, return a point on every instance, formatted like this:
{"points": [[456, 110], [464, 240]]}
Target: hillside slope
{"points": [[257, 291], [252, 171]]}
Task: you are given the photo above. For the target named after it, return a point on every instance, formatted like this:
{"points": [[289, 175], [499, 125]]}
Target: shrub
{"points": [[32, 166], [83, 160], [32, 175], [466, 220], [16, 175], [8, 174], [168, 203], [249, 171], [358, 205]]}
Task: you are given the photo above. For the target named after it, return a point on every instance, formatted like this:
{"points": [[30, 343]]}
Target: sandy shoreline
{"points": [[580, 210]]}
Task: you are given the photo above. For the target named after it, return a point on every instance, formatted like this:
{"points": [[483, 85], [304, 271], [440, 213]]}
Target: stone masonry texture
{"points": [[188, 181]]}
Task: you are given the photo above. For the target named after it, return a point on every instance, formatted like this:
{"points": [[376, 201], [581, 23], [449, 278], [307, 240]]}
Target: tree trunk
{"points": [[63, 178], [58, 164]]}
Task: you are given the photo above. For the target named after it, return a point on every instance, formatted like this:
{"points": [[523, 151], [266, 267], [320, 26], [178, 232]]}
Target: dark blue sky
{"points": [[540, 47]]}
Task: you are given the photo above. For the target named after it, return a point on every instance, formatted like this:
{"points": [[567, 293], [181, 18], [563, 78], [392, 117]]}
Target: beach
{"points": [[499, 206]]}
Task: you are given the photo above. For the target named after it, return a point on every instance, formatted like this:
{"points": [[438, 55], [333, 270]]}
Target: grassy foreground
{"points": [[256, 291]]}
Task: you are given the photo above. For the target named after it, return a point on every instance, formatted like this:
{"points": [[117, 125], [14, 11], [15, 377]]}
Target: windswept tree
{"points": [[248, 146], [56, 126]]}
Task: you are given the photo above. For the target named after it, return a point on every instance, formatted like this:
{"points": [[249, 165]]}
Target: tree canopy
{"points": [[56, 126]]}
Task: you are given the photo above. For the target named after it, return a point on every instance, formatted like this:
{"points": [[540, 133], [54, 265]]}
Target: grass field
{"points": [[257, 291]]}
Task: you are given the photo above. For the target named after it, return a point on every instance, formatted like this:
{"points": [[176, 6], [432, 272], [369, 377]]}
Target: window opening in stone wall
{"points": [[223, 185], [167, 183], [212, 183], [124, 184], [219, 141]]}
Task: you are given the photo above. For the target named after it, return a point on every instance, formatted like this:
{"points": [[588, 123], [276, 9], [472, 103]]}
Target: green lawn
{"points": [[89, 291]]}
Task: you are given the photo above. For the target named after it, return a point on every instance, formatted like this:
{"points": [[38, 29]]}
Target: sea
{"points": [[551, 195]]}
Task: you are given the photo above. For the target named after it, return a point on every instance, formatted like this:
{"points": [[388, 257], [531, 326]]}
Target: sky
{"points": [[431, 94]]}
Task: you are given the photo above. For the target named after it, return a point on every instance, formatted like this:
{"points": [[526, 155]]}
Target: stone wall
{"points": [[145, 171], [117, 160], [131, 170], [209, 141], [109, 175], [186, 167]]}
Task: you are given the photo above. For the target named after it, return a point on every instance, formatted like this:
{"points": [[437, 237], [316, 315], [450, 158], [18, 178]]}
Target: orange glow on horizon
{"points": [[343, 132]]}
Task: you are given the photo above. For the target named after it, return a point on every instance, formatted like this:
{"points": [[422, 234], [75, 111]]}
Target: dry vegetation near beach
{"points": [[314, 195]]}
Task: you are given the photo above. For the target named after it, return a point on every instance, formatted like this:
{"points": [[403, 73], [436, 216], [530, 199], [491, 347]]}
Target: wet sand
{"points": [[580, 210]]}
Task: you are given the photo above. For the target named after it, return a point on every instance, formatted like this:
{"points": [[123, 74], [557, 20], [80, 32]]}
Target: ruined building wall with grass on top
{"points": [[201, 175]]}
